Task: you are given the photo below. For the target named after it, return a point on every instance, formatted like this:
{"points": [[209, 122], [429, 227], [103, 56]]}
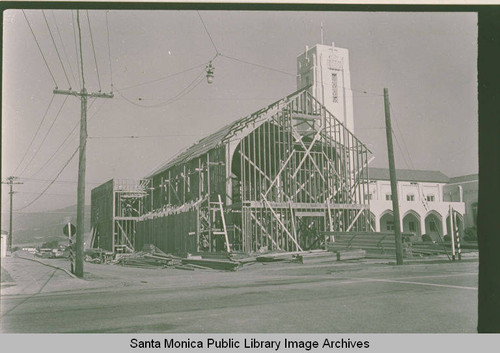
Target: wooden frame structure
{"points": [[274, 180], [116, 207]]}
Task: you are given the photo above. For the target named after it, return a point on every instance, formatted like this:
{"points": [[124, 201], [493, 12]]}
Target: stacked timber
{"points": [[215, 264], [146, 260], [440, 248], [150, 257], [350, 254], [297, 256], [372, 243]]}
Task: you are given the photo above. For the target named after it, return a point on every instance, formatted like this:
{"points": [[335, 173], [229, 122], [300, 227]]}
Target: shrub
{"points": [[427, 238], [470, 234]]}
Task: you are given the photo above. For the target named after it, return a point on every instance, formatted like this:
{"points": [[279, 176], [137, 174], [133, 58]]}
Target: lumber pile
{"points": [[214, 264], [297, 256], [371, 242], [350, 254], [146, 260], [149, 257], [428, 249]]}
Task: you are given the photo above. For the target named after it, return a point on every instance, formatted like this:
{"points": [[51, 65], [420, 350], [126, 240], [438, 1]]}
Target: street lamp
{"points": [[210, 72]]}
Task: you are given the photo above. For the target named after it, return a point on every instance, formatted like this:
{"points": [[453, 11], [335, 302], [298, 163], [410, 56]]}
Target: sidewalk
{"points": [[24, 277], [30, 275]]}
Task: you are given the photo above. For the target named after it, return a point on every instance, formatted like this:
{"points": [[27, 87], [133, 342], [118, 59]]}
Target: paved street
{"points": [[367, 296]]}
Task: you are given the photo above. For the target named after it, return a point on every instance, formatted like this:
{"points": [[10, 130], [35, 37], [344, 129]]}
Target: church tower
{"points": [[326, 68]]}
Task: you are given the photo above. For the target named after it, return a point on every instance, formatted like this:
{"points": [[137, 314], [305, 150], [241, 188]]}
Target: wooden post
{"points": [[394, 185], [452, 235]]}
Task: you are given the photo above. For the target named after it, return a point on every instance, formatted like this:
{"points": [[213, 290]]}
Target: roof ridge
{"points": [[226, 129]]}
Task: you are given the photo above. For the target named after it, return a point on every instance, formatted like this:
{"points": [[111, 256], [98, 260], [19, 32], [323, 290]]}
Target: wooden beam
{"points": [[264, 230], [308, 150], [299, 139], [354, 220], [292, 220], [125, 234], [255, 166], [280, 171], [279, 221], [224, 224]]}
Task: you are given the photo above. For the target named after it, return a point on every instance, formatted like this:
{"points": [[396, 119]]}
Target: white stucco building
{"points": [[326, 68], [425, 196], [422, 204]]}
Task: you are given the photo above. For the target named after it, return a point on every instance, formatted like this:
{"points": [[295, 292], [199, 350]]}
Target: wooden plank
{"points": [[280, 171], [125, 234], [309, 214], [213, 263], [279, 221], [224, 225], [264, 231], [354, 220], [350, 255]]}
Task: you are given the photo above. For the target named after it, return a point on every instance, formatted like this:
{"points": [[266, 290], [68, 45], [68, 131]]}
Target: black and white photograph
{"points": [[223, 170]]}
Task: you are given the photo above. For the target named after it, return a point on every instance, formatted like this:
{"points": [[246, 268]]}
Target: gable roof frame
{"points": [[234, 132]]}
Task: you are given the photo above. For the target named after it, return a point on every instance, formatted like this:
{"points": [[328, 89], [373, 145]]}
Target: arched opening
{"points": [[387, 222], [411, 223], [433, 225]]}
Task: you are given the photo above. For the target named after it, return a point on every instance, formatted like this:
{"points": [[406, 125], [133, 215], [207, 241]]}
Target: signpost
{"points": [[69, 230]]}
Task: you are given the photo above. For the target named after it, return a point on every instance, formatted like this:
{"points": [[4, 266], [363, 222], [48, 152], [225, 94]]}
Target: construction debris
{"points": [[225, 265], [351, 254], [142, 259]]}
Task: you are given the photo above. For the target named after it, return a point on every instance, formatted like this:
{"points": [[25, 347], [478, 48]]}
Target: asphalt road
{"points": [[355, 298]]}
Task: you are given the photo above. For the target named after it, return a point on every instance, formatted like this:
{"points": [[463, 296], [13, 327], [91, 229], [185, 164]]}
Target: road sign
{"points": [[70, 230], [67, 228]]}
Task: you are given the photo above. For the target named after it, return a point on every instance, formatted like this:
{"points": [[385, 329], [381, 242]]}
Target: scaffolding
{"points": [[274, 180], [116, 207]]}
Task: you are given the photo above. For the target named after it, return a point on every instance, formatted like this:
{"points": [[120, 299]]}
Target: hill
{"points": [[37, 228]]}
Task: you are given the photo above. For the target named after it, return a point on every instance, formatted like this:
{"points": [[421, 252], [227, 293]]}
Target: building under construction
{"points": [[273, 180], [116, 206]]}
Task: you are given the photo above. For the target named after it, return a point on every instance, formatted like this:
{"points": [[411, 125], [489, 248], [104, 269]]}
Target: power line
{"points": [[80, 41], [206, 29], [165, 77], [404, 143], [258, 65], [47, 193], [55, 46], [93, 49], [39, 48], [76, 46], [63, 47], [35, 135], [295, 75], [109, 50], [52, 182], [58, 181], [192, 85], [45, 137], [64, 141], [44, 212], [400, 149]]}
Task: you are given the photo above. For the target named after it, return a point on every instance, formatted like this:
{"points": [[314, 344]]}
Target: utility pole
{"points": [[80, 207], [10, 181], [394, 184]]}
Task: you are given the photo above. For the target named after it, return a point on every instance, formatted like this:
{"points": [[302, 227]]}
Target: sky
{"points": [[154, 63]]}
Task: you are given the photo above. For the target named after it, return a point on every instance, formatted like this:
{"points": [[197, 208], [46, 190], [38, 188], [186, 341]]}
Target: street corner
{"points": [[6, 280], [24, 276]]}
